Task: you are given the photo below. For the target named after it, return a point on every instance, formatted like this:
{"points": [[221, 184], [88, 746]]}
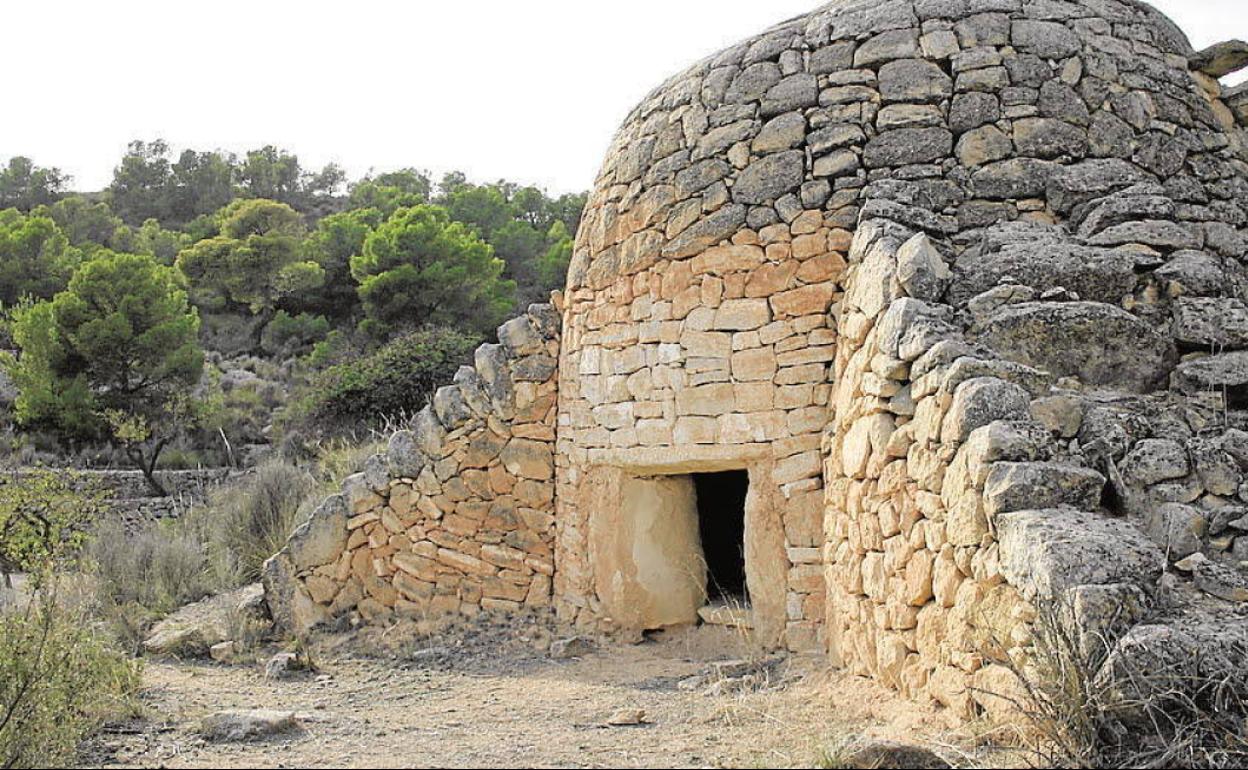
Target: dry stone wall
{"points": [[1030, 215], [129, 495], [959, 284], [457, 516], [708, 358]]}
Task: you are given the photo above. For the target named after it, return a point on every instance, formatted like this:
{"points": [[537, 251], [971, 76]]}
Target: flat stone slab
{"points": [[1211, 322], [1016, 486], [1213, 373], [1099, 343], [1099, 275], [1221, 59]]}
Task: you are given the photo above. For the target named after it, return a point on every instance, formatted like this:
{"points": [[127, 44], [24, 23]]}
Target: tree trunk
{"points": [[148, 467], [263, 319]]}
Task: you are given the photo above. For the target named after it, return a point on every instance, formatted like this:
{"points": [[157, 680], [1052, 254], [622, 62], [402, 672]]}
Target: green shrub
{"points": [[182, 459], [43, 520], [59, 680], [287, 335], [397, 379], [141, 576]]}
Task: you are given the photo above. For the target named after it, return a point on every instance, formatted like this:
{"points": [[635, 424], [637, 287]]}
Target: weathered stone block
{"points": [[1046, 552], [1013, 486], [1098, 343]]}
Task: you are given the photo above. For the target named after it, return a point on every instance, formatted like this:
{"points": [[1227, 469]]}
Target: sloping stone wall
{"points": [[457, 516], [129, 496], [128, 484]]}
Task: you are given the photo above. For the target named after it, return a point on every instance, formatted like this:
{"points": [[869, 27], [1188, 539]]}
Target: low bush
{"points": [[247, 522], [59, 680], [399, 378], [287, 335], [44, 517], [59, 675], [140, 576]]}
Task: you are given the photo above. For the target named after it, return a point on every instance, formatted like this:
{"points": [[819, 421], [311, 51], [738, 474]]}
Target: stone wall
{"points": [[959, 284], [457, 516], [707, 359], [1026, 221], [129, 495], [129, 485]]}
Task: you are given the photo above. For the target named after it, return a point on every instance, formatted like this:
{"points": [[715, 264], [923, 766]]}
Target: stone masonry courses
{"points": [[957, 286]]}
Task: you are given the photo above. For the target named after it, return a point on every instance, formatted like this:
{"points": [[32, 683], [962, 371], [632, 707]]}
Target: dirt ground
{"points": [[478, 702]]}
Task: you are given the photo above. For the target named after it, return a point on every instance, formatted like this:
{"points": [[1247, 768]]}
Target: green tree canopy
{"points": [[389, 192], [270, 173], [336, 239], [419, 267], [23, 185], [552, 266], [141, 183], [273, 173], [156, 241], [485, 208], [87, 224], [44, 521], [36, 258], [115, 355], [253, 263], [200, 183]]}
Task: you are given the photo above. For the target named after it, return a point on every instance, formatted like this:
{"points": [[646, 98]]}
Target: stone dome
{"points": [[886, 331], [948, 277]]}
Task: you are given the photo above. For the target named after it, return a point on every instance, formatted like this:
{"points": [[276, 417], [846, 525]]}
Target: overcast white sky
{"points": [[530, 91]]}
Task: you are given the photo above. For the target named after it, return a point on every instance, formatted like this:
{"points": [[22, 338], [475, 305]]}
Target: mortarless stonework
{"points": [[959, 283], [456, 516]]}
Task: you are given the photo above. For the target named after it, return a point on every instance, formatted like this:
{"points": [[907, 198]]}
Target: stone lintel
{"points": [[661, 461]]}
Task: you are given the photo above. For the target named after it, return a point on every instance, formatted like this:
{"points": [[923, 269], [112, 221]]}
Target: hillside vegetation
{"points": [[207, 308]]}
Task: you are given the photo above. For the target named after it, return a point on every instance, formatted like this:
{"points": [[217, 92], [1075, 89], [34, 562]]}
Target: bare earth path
{"points": [[491, 711]]}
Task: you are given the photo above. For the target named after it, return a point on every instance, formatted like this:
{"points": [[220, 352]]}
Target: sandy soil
{"points": [[498, 705]]}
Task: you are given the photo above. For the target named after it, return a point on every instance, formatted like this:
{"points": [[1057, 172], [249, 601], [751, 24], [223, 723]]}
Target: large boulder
{"points": [[290, 605], [192, 631], [321, 538]]}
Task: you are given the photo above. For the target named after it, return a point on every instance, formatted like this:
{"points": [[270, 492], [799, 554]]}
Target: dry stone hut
{"points": [[884, 329]]}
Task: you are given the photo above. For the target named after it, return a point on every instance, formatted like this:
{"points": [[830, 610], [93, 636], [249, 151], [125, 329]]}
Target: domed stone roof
{"points": [[960, 282], [973, 103]]}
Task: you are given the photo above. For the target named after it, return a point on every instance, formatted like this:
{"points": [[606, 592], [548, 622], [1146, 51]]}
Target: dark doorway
{"points": [[721, 524]]}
